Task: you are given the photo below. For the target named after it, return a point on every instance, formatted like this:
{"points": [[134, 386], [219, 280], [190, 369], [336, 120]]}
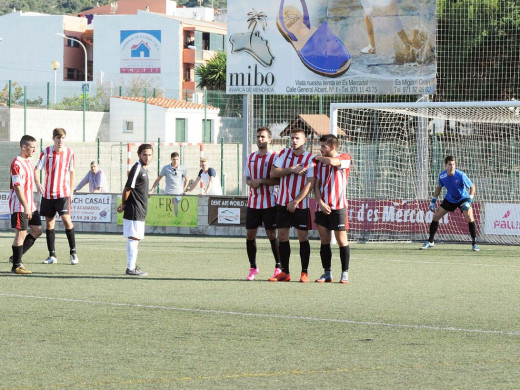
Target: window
{"points": [[128, 126], [180, 130], [72, 43], [71, 74], [206, 130]]}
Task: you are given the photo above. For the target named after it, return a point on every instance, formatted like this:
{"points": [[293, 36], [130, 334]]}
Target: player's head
{"points": [[94, 167], [263, 137], [145, 153], [329, 145], [27, 145], [204, 164], [449, 162], [58, 136], [298, 138], [175, 159]]}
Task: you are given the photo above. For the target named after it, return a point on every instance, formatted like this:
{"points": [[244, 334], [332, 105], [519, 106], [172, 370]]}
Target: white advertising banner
{"points": [[140, 51], [331, 47], [5, 213], [91, 208], [502, 219]]}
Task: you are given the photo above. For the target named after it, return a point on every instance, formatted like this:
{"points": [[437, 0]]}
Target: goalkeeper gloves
{"points": [[432, 204], [467, 204]]}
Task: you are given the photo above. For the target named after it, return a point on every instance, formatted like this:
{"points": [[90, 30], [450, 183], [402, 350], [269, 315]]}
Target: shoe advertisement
{"points": [[331, 47]]}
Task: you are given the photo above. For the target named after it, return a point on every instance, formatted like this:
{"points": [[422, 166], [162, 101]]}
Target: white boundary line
{"points": [[276, 316]]}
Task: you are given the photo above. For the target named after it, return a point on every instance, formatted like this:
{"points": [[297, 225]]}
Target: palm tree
{"points": [[254, 19], [212, 74]]}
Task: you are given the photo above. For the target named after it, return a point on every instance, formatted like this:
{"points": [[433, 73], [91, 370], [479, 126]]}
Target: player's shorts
{"points": [[336, 220], [451, 207], [49, 207], [133, 228], [19, 222], [300, 219], [259, 217]]}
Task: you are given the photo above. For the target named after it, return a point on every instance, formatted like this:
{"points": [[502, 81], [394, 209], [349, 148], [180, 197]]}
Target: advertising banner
{"points": [[502, 219], [339, 47], [167, 210], [227, 211], [91, 208], [5, 213], [140, 51]]}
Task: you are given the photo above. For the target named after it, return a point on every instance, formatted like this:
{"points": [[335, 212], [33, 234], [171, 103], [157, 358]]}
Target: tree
{"points": [[212, 74]]}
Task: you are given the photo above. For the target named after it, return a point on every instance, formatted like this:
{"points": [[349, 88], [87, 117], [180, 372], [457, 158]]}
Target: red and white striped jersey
{"points": [[57, 168], [291, 185], [22, 175], [259, 167], [333, 182]]}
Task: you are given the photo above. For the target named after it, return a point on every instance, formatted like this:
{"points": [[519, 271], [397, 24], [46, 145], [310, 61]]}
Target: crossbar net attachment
{"points": [[398, 152]]}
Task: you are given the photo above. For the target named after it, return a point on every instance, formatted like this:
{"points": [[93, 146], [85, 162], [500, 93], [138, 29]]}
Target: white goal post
{"points": [[398, 151]]}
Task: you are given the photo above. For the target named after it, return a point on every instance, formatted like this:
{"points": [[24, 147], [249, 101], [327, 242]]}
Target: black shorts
{"points": [[336, 220], [300, 219], [49, 207], [259, 217], [19, 222], [451, 207]]}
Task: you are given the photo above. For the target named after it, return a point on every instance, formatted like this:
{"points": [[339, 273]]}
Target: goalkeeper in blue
{"points": [[459, 194]]}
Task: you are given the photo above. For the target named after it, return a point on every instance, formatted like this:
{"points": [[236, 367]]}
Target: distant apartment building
{"points": [[128, 43]]}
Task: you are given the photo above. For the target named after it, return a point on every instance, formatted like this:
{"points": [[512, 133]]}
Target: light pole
{"points": [[55, 65], [84, 50]]}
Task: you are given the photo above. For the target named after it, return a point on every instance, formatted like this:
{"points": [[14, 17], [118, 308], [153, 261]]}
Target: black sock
{"points": [[71, 237], [344, 256], [433, 229], [326, 256], [285, 254], [28, 242], [274, 247], [305, 254], [251, 252], [473, 232], [17, 256], [50, 236]]}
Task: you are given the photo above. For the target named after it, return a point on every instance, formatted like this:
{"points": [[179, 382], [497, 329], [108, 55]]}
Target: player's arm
{"points": [[436, 194], [21, 198], [39, 186], [155, 183], [334, 161], [281, 172], [210, 183], [291, 206], [324, 207], [255, 183], [71, 176], [124, 197]]}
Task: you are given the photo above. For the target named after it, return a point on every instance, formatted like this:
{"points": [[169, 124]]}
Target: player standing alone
{"points": [[261, 205], [457, 184], [134, 203], [58, 162], [21, 204], [331, 171], [294, 168]]}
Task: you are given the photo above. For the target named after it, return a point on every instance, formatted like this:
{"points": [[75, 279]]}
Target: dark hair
{"points": [[298, 130], [174, 154], [448, 159], [264, 128], [329, 139], [58, 132], [26, 139], [144, 147]]}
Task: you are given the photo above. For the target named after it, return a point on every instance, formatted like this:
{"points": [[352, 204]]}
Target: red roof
{"points": [[169, 103]]}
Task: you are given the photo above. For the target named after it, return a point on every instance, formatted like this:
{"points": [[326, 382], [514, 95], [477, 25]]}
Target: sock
{"points": [[50, 236], [473, 232], [17, 256], [305, 255], [131, 253], [251, 252], [285, 254], [326, 256], [28, 242], [274, 248], [433, 229], [71, 237], [344, 256]]}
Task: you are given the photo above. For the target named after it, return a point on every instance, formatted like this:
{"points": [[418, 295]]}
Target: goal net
{"points": [[398, 151]]}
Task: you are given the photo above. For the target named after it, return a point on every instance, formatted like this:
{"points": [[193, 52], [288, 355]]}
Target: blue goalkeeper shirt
{"points": [[456, 186]]}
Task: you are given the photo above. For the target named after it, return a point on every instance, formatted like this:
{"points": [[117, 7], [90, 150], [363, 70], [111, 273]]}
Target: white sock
{"points": [[131, 253]]}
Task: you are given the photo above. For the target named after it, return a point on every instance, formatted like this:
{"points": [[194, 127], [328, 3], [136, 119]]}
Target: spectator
{"points": [[96, 179], [209, 178], [176, 177]]}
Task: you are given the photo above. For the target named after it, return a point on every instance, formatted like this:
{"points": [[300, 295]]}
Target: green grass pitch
{"points": [[438, 319]]}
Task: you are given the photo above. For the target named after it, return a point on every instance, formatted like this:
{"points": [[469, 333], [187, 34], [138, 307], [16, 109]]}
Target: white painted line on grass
{"points": [[272, 316]]}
